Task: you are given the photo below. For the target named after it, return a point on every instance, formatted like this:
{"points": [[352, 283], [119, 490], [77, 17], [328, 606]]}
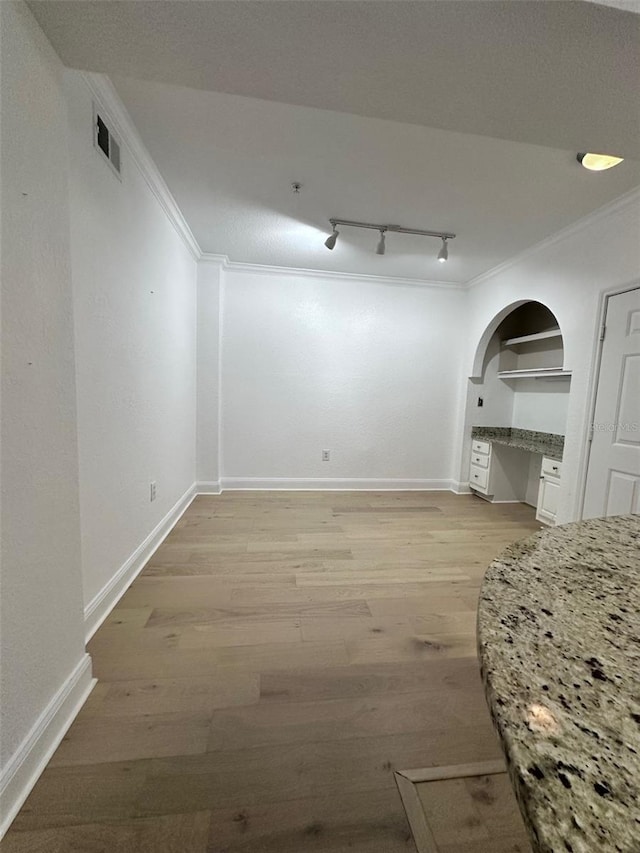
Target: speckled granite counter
{"points": [[547, 443], [559, 647]]}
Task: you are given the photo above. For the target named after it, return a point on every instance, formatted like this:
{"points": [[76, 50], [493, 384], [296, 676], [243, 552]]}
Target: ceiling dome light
{"points": [[330, 242], [443, 254], [598, 162], [380, 247]]}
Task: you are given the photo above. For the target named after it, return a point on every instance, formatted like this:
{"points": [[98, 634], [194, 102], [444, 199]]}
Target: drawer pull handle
{"points": [[476, 476], [554, 467]]}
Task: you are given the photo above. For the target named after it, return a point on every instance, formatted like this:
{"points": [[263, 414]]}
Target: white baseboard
{"points": [[209, 488], [460, 488], [103, 603], [489, 499], [332, 484], [33, 754]]}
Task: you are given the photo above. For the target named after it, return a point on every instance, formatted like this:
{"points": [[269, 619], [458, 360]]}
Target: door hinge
{"points": [[603, 331], [590, 433]]}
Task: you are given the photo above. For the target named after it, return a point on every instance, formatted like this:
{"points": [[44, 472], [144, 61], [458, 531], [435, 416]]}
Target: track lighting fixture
{"points": [[443, 254], [330, 242]]}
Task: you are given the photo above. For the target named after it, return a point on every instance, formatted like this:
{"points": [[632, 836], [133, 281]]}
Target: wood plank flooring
{"points": [[281, 655]]}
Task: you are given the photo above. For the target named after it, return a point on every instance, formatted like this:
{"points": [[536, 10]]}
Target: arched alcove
{"points": [[518, 386], [520, 348], [533, 328]]}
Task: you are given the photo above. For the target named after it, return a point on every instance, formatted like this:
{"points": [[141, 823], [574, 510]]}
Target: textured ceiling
{"points": [[461, 116], [230, 161], [548, 72]]}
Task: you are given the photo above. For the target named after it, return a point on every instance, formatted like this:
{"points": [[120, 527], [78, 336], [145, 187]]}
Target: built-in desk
{"points": [[510, 465]]}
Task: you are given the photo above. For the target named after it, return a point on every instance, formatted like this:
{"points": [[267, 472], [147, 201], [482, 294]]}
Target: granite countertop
{"points": [[559, 647], [547, 443]]}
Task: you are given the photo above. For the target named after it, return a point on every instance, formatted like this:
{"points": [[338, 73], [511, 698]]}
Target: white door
{"points": [[613, 477]]}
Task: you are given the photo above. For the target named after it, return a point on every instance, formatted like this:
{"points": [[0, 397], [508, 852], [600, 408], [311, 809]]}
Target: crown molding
{"points": [[266, 269], [105, 93], [618, 204], [210, 258]]}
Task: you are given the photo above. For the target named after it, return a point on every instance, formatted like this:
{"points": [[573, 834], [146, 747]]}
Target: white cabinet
{"points": [[483, 447], [549, 490], [479, 468], [496, 473], [479, 479]]}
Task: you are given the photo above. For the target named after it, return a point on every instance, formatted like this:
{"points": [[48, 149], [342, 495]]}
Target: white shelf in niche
{"points": [[535, 373], [536, 355], [538, 336]]}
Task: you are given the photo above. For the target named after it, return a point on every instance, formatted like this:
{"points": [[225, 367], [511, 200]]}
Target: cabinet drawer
{"points": [[481, 447], [551, 467], [478, 477], [480, 459]]}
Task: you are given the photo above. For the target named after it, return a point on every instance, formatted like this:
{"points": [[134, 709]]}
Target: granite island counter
{"points": [[559, 649]]}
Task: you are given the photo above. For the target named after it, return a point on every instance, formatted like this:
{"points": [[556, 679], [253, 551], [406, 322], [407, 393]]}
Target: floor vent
{"points": [[467, 807]]}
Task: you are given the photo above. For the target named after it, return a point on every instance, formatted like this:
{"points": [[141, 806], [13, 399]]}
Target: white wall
{"points": [[209, 343], [541, 405], [569, 276], [134, 284], [368, 370], [41, 620], [533, 479], [497, 396]]}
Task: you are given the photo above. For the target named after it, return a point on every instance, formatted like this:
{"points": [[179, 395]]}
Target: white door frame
{"points": [[596, 359]]}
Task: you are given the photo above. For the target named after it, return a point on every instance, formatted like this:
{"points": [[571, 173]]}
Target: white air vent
{"points": [[105, 141]]}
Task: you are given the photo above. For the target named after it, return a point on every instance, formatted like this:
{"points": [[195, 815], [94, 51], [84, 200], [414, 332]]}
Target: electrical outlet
{"points": [[326, 455], [153, 491]]}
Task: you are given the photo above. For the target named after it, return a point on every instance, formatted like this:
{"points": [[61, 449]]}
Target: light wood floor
{"points": [[280, 656]]}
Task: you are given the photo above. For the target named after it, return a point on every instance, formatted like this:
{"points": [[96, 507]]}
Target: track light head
{"points": [[381, 245], [330, 242], [443, 254]]}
